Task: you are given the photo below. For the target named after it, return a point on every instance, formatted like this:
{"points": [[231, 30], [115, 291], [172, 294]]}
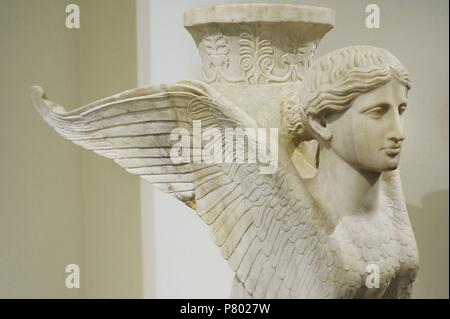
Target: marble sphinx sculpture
{"points": [[328, 219]]}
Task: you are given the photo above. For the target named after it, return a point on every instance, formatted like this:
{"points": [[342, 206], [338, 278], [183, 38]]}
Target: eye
{"points": [[401, 108], [377, 111]]}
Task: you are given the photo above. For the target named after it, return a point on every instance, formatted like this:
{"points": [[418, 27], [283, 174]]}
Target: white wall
{"points": [[187, 263], [146, 190]]}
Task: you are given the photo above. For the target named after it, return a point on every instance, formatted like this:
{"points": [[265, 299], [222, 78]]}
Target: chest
{"points": [[381, 258]]}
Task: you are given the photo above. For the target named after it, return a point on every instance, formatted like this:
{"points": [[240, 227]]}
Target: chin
{"points": [[382, 167], [391, 166]]}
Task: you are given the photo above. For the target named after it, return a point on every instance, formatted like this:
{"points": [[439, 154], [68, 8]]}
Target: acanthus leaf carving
{"points": [[259, 61], [256, 55]]}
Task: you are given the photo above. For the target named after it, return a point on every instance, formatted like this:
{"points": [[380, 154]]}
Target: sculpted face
{"points": [[369, 134]]}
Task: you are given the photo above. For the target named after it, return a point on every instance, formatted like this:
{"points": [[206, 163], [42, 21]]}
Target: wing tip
{"points": [[37, 98], [37, 92], [42, 105]]}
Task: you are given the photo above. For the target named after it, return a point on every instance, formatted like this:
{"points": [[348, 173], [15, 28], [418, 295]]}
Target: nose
{"points": [[396, 132]]}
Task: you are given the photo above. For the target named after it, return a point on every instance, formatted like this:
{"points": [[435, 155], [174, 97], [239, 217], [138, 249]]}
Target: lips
{"points": [[392, 151]]}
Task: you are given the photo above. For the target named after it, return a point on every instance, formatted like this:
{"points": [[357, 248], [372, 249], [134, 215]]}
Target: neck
{"points": [[341, 189]]}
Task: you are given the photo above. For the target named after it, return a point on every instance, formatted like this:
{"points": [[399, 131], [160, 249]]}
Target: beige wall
{"points": [[60, 204], [112, 249], [40, 184]]}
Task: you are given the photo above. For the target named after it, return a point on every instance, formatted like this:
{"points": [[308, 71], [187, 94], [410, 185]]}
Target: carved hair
{"points": [[334, 80]]}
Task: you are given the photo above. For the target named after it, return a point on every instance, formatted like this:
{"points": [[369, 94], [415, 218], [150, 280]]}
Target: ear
{"points": [[320, 127]]}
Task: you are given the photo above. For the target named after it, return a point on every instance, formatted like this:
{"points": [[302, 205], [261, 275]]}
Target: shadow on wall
{"points": [[430, 224]]}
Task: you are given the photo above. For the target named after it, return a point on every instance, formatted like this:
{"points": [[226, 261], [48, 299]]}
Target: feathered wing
{"points": [[264, 224]]}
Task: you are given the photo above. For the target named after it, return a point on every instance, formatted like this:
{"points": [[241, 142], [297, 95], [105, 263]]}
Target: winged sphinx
{"points": [[276, 236]]}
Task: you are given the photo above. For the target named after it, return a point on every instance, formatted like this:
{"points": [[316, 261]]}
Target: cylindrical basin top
{"points": [[257, 12], [257, 43]]}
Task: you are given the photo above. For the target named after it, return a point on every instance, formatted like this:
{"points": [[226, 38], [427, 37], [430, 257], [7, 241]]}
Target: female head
{"points": [[351, 100]]}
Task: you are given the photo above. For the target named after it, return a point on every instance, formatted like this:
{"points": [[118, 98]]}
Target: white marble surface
{"points": [[283, 234]]}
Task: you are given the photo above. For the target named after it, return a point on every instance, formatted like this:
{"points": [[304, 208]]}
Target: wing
{"points": [[264, 224]]}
